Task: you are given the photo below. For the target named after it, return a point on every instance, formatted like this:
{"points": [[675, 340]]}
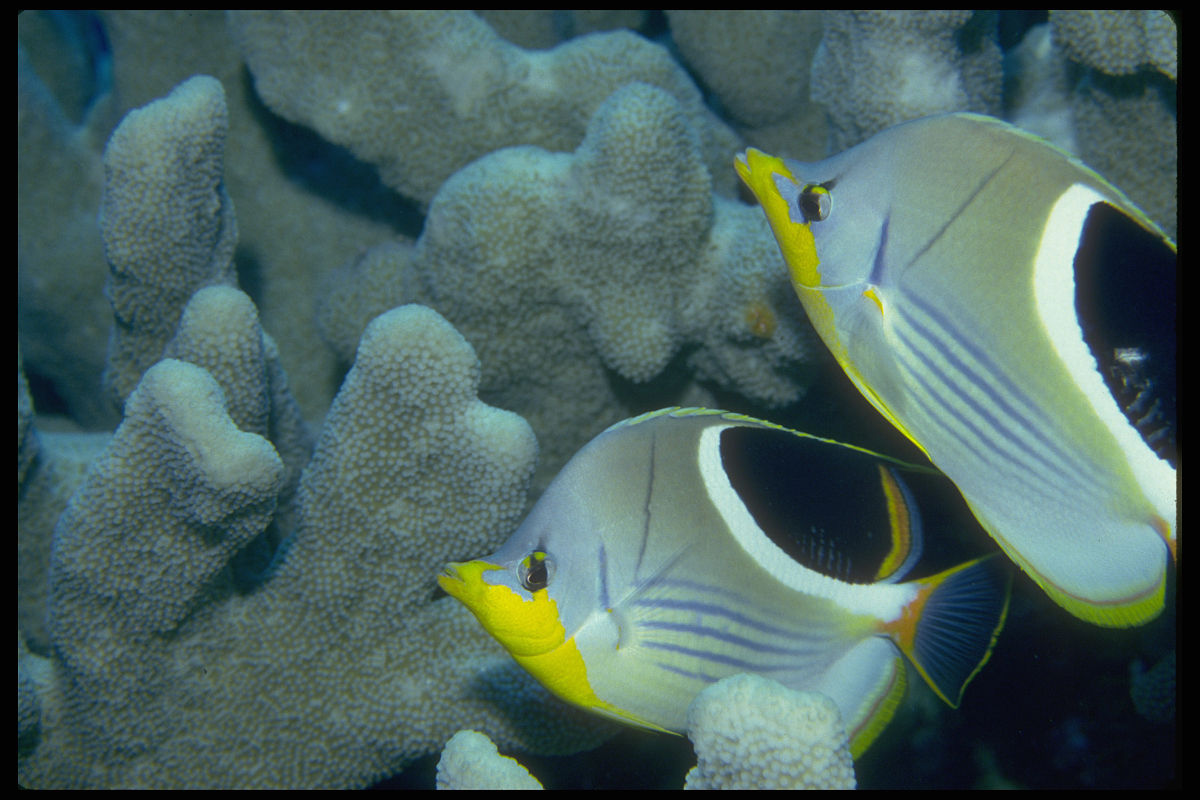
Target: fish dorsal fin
{"points": [[670, 411]]}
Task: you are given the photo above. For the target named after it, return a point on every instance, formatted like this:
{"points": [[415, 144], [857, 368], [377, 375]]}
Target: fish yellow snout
{"points": [[525, 624], [451, 580]]}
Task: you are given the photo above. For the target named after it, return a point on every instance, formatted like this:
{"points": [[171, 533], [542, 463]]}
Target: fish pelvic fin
{"points": [[949, 629]]}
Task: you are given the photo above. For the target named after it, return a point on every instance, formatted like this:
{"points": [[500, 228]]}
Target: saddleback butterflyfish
{"points": [[1013, 314], [687, 545]]}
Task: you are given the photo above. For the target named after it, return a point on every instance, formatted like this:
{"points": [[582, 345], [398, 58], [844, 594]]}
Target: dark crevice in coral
{"points": [[333, 172], [249, 273], [46, 399], [665, 389], [1011, 26]]}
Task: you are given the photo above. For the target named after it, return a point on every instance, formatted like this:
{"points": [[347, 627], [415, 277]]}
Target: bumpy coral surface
{"points": [[750, 732], [334, 668], [470, 761], [443, 88], [874, 69], [615, 259], [167, 221], [240, 467]]}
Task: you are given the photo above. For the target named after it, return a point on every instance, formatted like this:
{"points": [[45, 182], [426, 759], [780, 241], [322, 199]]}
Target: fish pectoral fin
{"points": [[948, 631]]}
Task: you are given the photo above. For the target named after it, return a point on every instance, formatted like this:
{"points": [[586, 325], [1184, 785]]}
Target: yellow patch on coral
{"points": [[760, 319]]}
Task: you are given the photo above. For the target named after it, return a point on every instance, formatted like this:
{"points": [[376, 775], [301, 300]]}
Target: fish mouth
{"points": [[463, 580], [762, 173], [741, 165], [451, 579], [752, 161]]}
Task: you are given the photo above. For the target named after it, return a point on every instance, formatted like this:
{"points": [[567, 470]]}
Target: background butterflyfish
{"points": [[1013, 314]]}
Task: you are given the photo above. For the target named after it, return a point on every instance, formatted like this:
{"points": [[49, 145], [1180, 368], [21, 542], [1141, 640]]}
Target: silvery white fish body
{"points": [[1013, 314], [687, 545]]}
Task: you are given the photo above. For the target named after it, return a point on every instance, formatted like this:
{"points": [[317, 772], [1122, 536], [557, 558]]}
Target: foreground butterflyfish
{"points": [[688, 545], [1013, 314]]}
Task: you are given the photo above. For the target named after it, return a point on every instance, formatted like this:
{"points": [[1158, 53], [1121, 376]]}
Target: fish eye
{"points": [[535, 571], [815, 202]]}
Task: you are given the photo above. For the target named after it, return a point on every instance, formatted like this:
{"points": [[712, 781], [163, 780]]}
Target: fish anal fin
{"points": [[867, 683]]}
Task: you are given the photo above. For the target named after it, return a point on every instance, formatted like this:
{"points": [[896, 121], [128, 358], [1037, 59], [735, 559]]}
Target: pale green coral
{"points": [[163, 676], [756, 64], [167, 222], [176, 494], [172, 658], [219, 330], [540, 29], [422, 94], [1123, 104], [874, 69], [470, 760], [563, 269], [749, 732], [50, 466], [753, 733], [1119, 42], [292, 227]]}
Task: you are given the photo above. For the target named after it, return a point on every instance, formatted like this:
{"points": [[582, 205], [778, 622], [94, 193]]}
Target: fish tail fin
{"points": [[949, 629]]}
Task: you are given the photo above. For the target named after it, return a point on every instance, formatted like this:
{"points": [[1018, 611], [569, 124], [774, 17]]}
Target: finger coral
{"points": [[615, 259], [443, 88], [1130, 63], [874, 69], [1119, 42], [163, 674], [167, 221]]}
